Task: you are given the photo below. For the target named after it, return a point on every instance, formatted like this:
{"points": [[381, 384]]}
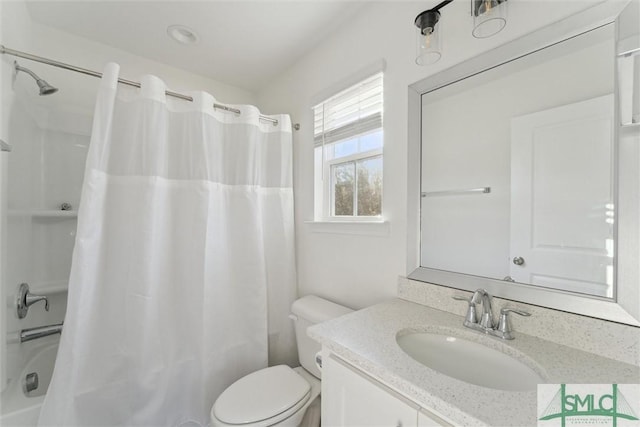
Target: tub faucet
{"points": [[486, 324]]}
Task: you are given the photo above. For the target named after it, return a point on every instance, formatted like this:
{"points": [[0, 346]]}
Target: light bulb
{"points": [[486, 7], [428, 35]]}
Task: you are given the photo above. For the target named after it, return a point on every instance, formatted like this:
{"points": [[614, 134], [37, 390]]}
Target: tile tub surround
{"points": [[367, 339], [604, 338]]}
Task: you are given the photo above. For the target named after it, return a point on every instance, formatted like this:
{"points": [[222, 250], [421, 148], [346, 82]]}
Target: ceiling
{"points": [[242, 43]]}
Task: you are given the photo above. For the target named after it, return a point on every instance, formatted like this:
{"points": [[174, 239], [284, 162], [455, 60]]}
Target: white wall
{"points": [[362, 269]]}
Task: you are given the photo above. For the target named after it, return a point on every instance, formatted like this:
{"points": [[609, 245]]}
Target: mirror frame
{"points": [[625, 306]]}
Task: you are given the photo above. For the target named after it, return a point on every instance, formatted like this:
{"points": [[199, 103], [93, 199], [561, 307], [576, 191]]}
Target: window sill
{"points": [[368, 228]]}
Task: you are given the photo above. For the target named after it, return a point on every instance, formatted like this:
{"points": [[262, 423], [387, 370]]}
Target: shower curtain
{"points": [[183, 269]]}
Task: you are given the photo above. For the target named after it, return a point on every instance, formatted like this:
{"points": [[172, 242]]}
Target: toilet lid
{"points": [[261, 395]]}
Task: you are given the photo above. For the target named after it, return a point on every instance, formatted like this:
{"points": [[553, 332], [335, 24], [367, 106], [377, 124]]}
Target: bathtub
{"points": [[22, 408]]}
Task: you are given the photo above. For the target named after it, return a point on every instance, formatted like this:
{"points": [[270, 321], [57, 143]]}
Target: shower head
{"points": [[45, 88]]}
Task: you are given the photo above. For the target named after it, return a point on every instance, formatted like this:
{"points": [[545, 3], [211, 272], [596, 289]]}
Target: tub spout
{"points": [[40, 331]]}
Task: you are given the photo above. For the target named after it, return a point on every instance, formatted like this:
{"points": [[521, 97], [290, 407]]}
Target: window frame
{"points": [[324, 186]]}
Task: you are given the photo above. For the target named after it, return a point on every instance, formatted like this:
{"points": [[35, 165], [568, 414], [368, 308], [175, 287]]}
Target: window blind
{"points": [[352, 112]]}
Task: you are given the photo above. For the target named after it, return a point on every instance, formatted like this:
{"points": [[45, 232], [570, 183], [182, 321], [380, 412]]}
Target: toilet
{"points": [[279, 395]]}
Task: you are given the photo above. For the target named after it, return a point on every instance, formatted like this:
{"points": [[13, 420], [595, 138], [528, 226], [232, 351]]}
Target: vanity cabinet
{"points": [[350, 397]]}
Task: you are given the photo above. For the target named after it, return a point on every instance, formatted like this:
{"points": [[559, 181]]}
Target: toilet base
{"points": [[312, 415], [311, 410]]}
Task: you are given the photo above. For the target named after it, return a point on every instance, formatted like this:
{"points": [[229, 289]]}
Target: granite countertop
{"points": [[367, 339]]}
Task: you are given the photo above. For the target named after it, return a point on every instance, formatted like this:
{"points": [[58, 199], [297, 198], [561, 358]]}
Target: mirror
{"points": [[521, 191], [517, 165]]}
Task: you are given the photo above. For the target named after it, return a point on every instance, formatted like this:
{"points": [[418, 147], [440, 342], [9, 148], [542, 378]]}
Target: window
{"points": [[348, 140]]}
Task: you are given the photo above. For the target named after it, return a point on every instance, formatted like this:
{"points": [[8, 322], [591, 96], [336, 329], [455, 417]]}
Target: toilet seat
{"points": [[262, 398]]}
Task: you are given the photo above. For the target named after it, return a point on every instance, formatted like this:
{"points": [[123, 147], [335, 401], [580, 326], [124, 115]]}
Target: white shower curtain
{"points": [[183, 269]]}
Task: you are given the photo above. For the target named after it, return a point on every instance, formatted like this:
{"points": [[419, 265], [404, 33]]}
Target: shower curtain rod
{"points": [[12, 52]]}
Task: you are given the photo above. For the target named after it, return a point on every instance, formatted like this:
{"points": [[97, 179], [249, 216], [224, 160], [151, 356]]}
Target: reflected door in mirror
{"points": [[562, 197]]}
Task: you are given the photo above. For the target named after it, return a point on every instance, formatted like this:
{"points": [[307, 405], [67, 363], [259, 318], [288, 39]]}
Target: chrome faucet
{"points": [[486, 324], [486, 318], [26, 299]]}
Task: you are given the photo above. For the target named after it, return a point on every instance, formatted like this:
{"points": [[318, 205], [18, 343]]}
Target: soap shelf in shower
{"points": [[43, 213]]}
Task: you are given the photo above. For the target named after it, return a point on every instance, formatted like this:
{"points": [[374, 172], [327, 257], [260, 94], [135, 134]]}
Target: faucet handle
{"points": [[504, 326], [471, 316], [25, 299], [506, 311]]}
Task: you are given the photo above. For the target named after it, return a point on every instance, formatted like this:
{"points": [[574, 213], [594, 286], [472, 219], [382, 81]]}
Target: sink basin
{"points": [[468, 361]]}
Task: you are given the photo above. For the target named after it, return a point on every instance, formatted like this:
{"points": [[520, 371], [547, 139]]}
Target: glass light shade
{"points": [[428, 45], [489, 17]]}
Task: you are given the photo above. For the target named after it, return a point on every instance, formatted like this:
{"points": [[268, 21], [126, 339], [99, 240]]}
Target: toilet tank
{"points": [[308, 311]]}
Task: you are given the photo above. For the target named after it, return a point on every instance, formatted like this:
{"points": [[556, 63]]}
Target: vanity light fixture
{"points": [[429, 46], [489, 18]]}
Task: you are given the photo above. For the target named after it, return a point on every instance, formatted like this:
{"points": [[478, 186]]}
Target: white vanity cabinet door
{"points": [[352, 398]]}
